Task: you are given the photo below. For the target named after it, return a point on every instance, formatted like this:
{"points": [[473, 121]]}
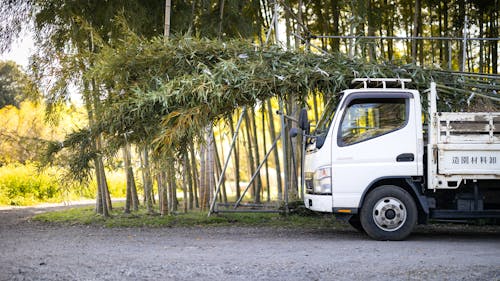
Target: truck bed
{"points": [[465, 146]]}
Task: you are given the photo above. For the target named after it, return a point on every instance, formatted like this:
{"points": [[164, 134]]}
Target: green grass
{"points": [[87, 216]]}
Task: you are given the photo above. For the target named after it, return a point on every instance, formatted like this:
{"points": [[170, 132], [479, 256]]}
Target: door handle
{"points": [[405, 157]]}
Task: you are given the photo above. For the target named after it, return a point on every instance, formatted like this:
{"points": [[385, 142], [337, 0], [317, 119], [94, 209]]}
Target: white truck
{"points": [[370, 160]]}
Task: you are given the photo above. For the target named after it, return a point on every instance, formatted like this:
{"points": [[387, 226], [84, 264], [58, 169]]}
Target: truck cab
{"points": [[365, 159]]}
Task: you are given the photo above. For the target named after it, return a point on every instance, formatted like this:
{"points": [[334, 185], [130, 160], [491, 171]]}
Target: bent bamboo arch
{"points": [[166, 92]]}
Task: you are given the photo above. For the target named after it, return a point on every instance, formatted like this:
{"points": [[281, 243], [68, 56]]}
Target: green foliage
{"points": [[87, 216], [15, 85], [23, 185], [164, 93], [167, 92]]}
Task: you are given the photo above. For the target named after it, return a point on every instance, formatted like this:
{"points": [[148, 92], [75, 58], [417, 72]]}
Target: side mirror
{"points": [[293, 132], [304, 121]]}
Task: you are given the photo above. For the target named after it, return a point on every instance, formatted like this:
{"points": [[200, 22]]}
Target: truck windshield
{"points": [[326, 120], [327, 117]]}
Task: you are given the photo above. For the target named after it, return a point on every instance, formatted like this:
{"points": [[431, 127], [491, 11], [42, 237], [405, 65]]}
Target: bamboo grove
{"points": [[166, 96], [166, 100]]}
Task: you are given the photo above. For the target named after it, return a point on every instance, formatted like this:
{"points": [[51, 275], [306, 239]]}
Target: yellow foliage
{"points": [[24, 130], [23, 185]]}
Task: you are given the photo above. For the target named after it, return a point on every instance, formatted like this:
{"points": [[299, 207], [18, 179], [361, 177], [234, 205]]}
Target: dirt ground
{"points": [[37, 251]]}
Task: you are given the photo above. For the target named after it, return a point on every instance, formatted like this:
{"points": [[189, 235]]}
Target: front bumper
{"points": [[319, 203]]}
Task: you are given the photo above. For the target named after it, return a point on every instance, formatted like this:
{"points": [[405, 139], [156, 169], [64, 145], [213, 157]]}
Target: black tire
{"points": [[355, 222], [388, 213]]}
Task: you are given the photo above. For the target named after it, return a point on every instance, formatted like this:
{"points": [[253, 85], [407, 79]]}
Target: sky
{"points": [[20, 51]]}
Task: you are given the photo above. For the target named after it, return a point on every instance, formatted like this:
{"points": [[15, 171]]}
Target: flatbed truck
{"points": [[370, 160]]}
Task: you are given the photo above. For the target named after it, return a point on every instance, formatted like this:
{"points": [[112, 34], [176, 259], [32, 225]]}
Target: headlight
{"points": [[323, 180]]}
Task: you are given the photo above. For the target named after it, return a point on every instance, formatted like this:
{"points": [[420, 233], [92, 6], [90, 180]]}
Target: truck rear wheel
{"points": [[388, 213]]}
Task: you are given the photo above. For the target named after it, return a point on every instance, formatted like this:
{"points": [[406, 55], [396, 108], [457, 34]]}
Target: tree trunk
{"points": [[275, 151], [211, 167], [265, 14], [315, 107], [172, 185], [190, 179], [101, 200], [251, 160], [194, 170], [416, 29], [292, 145], [236, 161], [371, 30], [461, 20], [128, 196], [263, 116], [288, 30], [321, 22], [221, 17], [446, 33], [257, 158], [147, 181], [192, 25], [130, 203], [390, 32], [481, 43], [162, 193], [494, 34], [440, 33], [168, 7], [421, 54], [207, 170], [431, 43], [185, 179], [299, 28], [135, 197], [102, 197], [203, 183], [335, 43], [91, 99], [218, 169], [408, 43]]}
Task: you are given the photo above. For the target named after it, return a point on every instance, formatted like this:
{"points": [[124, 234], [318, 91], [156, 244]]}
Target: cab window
{"points": [[366, 119]]}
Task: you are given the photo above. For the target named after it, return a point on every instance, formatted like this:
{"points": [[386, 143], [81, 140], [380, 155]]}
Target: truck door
{"points": [[376, 138]]}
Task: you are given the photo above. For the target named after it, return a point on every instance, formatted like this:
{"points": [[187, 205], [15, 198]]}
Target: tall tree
{"points": [[335, 9], [71, 34], [236, 161], [147, 180], [15, 85], [417, 18], [257, 157], [277, 164]]}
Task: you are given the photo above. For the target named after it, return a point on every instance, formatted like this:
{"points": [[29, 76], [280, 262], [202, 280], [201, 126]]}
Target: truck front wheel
{"points": [[388, 213]]}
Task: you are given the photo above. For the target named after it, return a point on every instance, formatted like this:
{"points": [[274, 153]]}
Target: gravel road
{"points": [[37, 251]]}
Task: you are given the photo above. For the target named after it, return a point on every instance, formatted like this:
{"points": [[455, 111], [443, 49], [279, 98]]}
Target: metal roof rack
{"points": [[397, 82]]}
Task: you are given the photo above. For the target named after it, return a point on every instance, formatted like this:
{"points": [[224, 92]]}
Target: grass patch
{"points": [[87, 216]]}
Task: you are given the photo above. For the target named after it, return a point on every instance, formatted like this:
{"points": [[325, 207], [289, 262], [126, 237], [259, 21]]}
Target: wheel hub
{"points": [[389, 214]]}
